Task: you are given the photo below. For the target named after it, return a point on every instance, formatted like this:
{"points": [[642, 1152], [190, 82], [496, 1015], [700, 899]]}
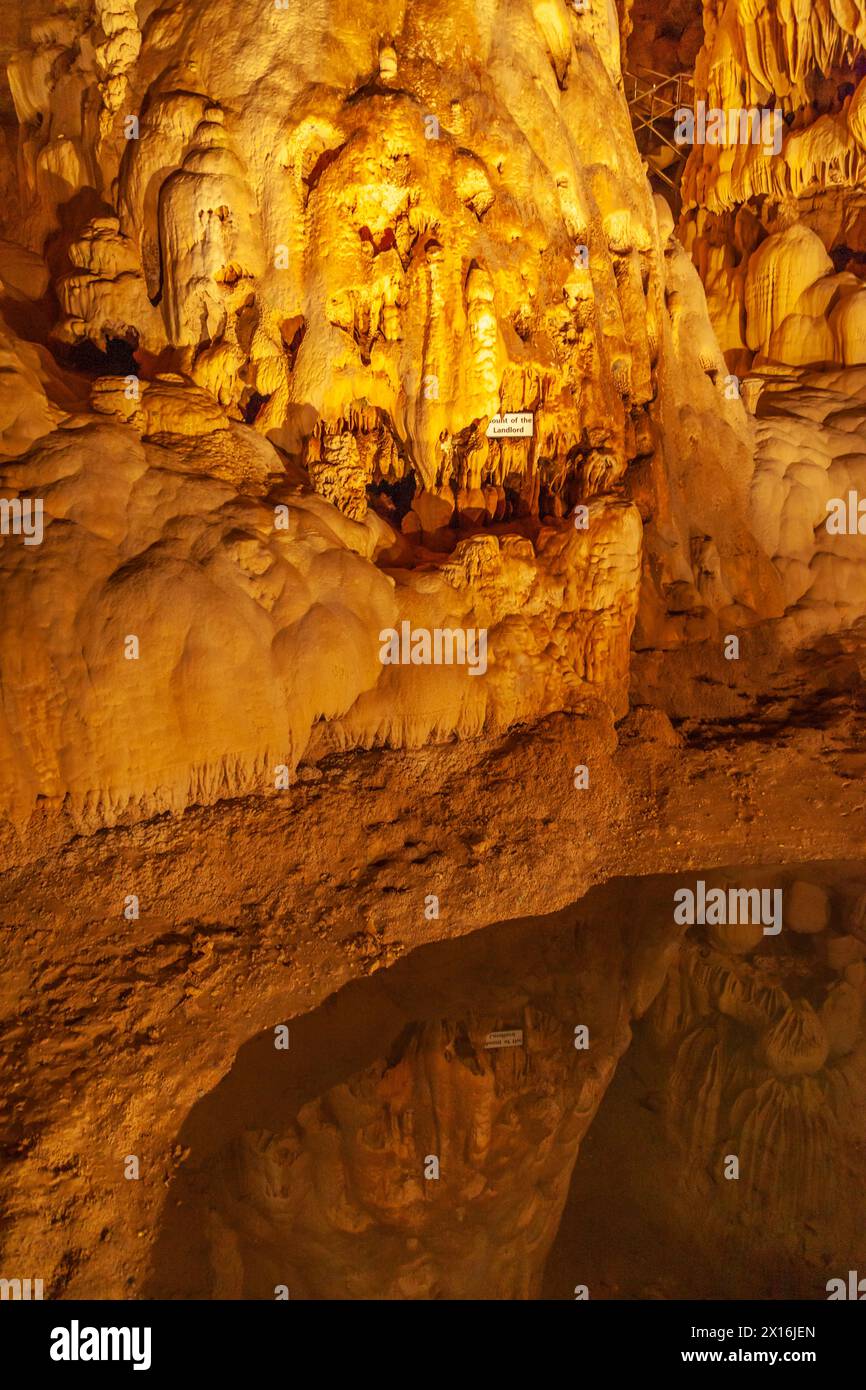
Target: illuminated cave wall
{"points": [[293, 281]]}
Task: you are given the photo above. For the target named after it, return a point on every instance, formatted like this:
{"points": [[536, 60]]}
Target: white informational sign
{"points": [[505, 1037], [514, 424]]}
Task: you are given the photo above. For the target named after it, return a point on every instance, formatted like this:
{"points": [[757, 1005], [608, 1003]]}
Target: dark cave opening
{"points": [[393, 499], [253, 406], [564, 1159], [116, 359]]}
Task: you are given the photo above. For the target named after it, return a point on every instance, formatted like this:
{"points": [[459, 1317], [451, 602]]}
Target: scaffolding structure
{"points": [[654, 98]]}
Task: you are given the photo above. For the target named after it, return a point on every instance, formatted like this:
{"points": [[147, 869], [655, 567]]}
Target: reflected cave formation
{"points": [[309, 1169]]}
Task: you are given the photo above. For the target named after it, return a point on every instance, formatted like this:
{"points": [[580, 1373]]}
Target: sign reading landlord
{"points": [[514, 424], [505, 1037]]}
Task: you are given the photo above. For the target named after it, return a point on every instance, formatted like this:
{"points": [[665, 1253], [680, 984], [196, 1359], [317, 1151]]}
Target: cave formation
{"points": [[360, 977]]}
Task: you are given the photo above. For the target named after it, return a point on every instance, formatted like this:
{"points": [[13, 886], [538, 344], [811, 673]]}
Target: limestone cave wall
{"points": [[323, 335]]}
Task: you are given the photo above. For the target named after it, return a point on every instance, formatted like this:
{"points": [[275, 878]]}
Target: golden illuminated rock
{"points": [[413, 523], [770, 194], [415, 347]]}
